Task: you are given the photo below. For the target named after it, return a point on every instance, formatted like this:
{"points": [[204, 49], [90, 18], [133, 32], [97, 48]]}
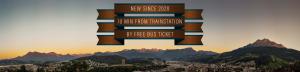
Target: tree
{"points": [[22, 69]]}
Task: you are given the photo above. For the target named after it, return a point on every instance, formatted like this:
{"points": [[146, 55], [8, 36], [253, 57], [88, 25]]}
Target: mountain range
{"points": [[262, 52], [171, 54], [38, 57]]}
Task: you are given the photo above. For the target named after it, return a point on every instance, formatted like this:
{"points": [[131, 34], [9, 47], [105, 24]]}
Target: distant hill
{"points": [[42, 57], [139, 53], [171, 54], [12, 62], [263, 52], [37, 57]]}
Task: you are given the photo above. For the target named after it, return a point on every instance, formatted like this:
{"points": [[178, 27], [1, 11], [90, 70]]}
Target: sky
{"points": [[69, 26]]}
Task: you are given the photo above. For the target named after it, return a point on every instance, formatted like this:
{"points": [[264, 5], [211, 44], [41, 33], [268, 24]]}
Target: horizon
{"points": [[141, 49], [69, 27]]}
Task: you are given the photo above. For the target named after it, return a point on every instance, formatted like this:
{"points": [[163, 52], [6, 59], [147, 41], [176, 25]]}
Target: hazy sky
{"points": [[69, 26]]}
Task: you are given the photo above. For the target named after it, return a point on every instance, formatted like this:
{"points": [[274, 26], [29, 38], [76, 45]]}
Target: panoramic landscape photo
{"points": [[262, 55], [163, 36]]}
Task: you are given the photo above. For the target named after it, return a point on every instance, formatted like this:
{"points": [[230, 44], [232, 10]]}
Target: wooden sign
{"points": [[177, 21], [149, 21], [149, 8], [188, 14]]}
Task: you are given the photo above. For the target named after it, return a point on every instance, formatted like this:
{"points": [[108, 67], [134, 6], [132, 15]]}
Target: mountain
{"points": [[140, 53], [185, 54], [178, 53], [263, 52], [170, 54], [37, 57], [265, 43], [11, 62], [42, 57]]}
